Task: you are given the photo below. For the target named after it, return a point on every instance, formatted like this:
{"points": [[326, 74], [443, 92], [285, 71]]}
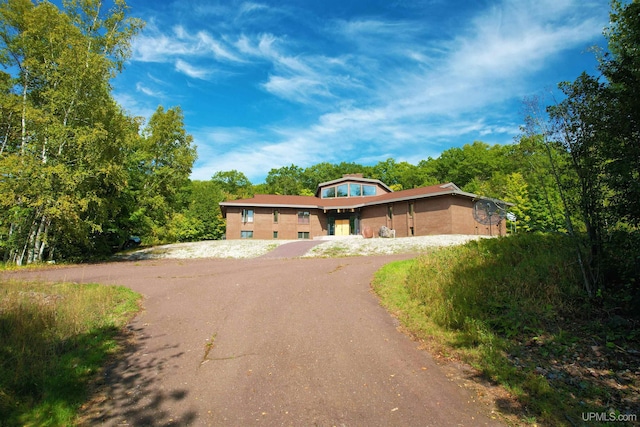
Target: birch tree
{"points": [[63, 147]]}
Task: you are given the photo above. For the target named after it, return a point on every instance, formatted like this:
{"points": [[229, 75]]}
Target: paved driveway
{"points": [[273, 342]]}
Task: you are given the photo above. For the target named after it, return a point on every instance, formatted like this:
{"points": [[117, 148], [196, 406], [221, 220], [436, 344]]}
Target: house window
{"points": [[247, 215], [368, 190], [328, 193], [412, 231], [275, 234], [246, 234], [355, 190], [276, 214], [303, 234], [303, 217], [342, 190]]}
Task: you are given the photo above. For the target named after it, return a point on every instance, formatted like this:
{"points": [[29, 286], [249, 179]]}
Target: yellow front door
{"points": [[342, 227]]}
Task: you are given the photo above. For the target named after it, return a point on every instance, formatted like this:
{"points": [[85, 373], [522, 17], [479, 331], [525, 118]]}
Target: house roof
{"points": [[352, 178], [313, 202]]}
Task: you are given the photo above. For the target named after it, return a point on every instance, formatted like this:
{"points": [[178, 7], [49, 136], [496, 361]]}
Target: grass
{"points": [[513, 309], [54, 340]]}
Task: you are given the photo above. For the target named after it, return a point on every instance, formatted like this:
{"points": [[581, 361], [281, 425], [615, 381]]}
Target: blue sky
{"points": [[266, 84]]}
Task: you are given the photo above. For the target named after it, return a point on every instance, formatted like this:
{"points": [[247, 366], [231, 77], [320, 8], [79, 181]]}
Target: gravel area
{"points": [[353, 246], [379, 246]]}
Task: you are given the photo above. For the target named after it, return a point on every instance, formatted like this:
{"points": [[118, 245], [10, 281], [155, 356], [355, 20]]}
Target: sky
{"points": [[267, 84]]}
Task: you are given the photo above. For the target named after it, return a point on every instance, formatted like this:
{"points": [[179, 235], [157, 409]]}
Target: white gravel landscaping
{"points": [[207, 249], [330, 248], [380, 246]]}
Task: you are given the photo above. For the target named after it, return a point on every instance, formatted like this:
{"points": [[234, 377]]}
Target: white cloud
{"points": [[155, 46], [191, 70], [147, 91], [250, 7]]}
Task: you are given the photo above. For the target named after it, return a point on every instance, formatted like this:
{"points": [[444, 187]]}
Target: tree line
{"points": [[77, 173]]}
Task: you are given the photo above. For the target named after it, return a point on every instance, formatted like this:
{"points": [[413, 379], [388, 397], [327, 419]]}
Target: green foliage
{"points": [[592, 145], [204, 206], [621, 67], [285, 180], [160, 165], [54, 339], [513, 308], [506, 283], [63, 149], [234, 184], [79, 170]]}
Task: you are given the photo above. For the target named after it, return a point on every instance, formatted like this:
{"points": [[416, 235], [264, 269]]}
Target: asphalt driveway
{"points": [[267, 341]]}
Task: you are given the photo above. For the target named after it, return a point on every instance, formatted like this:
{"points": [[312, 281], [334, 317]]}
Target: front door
{"points": [[342, 227]]}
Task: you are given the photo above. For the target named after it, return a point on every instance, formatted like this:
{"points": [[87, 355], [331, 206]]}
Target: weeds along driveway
{"points": [[292, 342]]}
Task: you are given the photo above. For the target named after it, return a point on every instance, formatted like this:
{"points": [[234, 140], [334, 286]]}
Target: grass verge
{"points": [[54, 340], [513, 309]]}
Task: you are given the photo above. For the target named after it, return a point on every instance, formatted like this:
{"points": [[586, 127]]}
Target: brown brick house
{"points": [[355, 205]]}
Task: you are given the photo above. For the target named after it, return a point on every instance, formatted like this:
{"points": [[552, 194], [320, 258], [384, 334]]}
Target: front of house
{"points": [[353, 205]]}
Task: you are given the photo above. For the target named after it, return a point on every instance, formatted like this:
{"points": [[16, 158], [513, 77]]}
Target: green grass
{"points": [[54, 340], [513, 308]]}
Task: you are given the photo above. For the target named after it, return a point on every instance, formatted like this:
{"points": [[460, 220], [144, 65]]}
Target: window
{"points": [[411, 209], [276, 214], [328, 193], [275, 234], [368, 190], [355, 190], [342, 190], [247, 215], [246, 234], [303, 234], [303, 217]]}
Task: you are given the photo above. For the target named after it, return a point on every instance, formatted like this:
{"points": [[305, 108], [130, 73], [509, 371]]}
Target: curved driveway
{"points": [[273, 342]]}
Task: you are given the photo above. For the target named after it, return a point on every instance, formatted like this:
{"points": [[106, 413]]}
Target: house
{"points": [[354, 205]]}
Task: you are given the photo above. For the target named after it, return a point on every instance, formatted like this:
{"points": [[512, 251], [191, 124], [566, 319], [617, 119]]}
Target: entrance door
{"points": [[342, 227]]}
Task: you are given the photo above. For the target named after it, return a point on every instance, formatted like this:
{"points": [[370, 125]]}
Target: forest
{"points": [[78, 175]]}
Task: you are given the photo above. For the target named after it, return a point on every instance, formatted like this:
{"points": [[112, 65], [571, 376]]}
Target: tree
{"points": [[234, 184], [387, 172], [473, 163], [578, 127], [161, 164], [204, 206], [621, 67], [60, 153], [286, 180]]}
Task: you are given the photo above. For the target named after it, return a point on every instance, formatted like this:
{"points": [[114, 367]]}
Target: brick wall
{"points": [[263, 225], [434, 215]]}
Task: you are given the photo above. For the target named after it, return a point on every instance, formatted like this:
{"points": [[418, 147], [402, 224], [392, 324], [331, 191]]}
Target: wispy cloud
{"points": [[191, 70], [156, 46], [370, 85], [147, 91]]}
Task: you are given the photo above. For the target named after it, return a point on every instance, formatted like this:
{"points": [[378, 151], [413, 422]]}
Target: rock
{"points": [[386, 232]]}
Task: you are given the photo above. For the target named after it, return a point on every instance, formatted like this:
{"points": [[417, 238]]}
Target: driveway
{"points": [[267, 341]]}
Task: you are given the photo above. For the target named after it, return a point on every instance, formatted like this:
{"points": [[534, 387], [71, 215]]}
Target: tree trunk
{"points": [[28, 242], [35, 252]]}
